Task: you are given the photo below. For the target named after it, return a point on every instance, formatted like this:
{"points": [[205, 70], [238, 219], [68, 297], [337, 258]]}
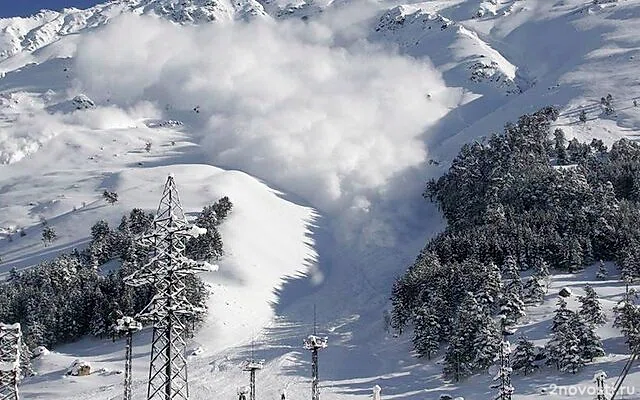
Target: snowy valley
{"points": [[321, 121]]}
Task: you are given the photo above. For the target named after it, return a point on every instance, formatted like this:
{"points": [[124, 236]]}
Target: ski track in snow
{"points": [[348, 166]]}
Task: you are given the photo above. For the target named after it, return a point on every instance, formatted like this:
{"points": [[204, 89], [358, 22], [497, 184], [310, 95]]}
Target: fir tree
{"points": [[490, 292], [571, 359], [486, 343], [512, 306], [535, 290], [607, 104], [561, 316], [426, 339], [49, 235], [460, 355], [583, 116], [602, 271], [523, 358], [628, 320], [589, 343], [560, 146], [503, 377], [590, 307], [110, 197]]}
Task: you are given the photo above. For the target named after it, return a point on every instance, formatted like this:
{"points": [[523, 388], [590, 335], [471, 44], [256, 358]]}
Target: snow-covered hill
{"points": [[321, 121]]}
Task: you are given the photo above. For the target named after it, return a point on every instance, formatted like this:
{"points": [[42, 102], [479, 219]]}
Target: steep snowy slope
{"points": [[341, 107]]}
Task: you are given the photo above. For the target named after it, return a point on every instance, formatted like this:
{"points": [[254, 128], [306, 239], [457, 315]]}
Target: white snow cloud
{"points": [[304, 106]]}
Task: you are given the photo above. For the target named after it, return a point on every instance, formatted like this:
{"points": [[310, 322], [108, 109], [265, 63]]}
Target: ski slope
{"points": [[321, 122]]}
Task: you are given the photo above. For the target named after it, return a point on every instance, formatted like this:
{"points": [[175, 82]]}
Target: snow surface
{"points": [[321, 122]]}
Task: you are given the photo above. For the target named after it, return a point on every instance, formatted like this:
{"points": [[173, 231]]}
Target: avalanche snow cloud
{"points": [[300, 105]]}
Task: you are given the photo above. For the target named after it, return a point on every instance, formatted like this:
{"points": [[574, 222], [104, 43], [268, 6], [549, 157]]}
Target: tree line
{"points": [[63, 299], [518, 204]]}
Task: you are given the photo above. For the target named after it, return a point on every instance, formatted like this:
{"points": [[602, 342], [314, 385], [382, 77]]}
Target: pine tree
{"points": [[590, 307], [456, 359], [553, 351], [491, 290], [571, 359], [534, 290], [426, 338], [110, 197], [589, 343], [583, 116], [512, 307], [561, 316], [460, 355], [628, 320], [523, 358], [486, 343], [607, 104], [602, 271], [560, 147], [49, 235], [503, 377]]}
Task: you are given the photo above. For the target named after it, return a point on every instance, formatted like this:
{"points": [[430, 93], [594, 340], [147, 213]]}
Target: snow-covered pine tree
{"points": [[628, 320], [553, 351], [491, 291], [560, 144], [426, 333], [49, 235], [510, 269], [139, 221], [590, 307], [456, 360], [523, 357], [486, 343], [110, 197], [573, 255], [503, 377], [583, 116], [534, 290], [460, 355], [512, 306], [602, 271], [571, 359], [561, 316], [589, 342]]}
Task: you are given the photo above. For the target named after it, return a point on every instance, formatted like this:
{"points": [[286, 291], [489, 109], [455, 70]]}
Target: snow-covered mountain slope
{"points": [[340, 106]]}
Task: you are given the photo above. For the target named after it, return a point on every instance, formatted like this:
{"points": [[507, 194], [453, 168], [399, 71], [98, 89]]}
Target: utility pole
{"points": [[10, 349], [315, 343], [166, 269], [128, 326], [252, 366]]}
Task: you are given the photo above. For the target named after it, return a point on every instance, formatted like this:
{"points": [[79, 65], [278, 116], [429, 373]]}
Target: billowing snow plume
{"points": [[333, 123]]}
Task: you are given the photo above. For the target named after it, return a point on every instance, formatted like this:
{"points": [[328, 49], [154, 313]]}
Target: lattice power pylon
{"points": [[315, 343], [169, 308], [10, 348], [128, 326]]}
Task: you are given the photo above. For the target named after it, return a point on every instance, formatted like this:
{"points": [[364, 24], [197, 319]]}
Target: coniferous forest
{"points": [[518, 205], [61, 300]]}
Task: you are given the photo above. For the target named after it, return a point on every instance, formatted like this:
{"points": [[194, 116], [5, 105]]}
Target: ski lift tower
{"points": [[252, 366], [127, 326], [10, 346], [166, 269], [314, 343]]}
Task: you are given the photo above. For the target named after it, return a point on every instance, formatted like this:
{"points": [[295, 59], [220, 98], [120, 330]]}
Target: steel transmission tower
{"points": [[128, 326], [315, 343], [10, 349], [169, 309]]}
